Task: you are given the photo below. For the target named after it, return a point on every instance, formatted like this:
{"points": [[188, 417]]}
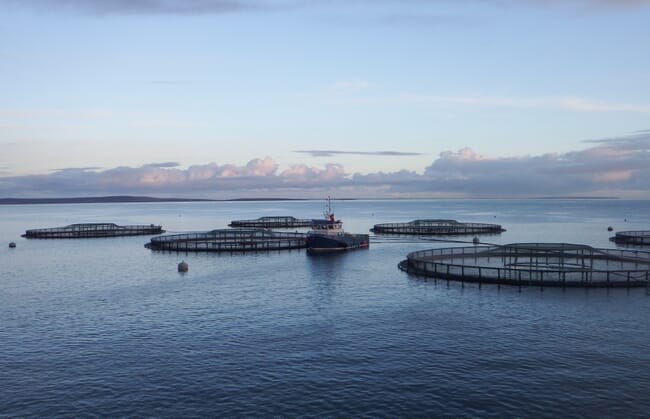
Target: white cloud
{"points": [[567, 103], [192, 7]]}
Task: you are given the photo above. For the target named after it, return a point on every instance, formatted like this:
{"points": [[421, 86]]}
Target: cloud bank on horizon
{"points": [[611, 167]]}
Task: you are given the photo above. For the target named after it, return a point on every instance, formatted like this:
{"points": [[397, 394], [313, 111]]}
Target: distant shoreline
{"points": [[90, 200], [145, 199], [121, 199]]}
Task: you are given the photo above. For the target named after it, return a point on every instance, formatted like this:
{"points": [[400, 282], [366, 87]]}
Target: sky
{"points": [[307, 98]]}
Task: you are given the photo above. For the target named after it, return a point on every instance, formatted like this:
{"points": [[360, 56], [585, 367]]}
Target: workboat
{"points": [[327, 235]]}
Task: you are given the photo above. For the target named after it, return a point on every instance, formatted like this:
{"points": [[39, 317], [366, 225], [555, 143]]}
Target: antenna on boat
{"points": [[329, 215]]}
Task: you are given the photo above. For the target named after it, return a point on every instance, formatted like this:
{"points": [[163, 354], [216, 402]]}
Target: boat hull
{"points": [[319, 243]]}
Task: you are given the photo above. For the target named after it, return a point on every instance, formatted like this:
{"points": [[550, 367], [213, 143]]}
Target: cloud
{"points": [[621, 165], [77, 169], [330, 153], [168, 179], [612, 166], [304, 175], [35, 113], [131, 7], [363, 92], [196, 7], [568, 103], [164, 164], [639, 140]]}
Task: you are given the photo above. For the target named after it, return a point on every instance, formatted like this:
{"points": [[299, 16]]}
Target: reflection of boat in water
{"points": [[327, 235]]}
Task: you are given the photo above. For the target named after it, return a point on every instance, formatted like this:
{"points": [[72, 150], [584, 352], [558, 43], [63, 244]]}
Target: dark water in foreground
{"points": [[106, 327]]}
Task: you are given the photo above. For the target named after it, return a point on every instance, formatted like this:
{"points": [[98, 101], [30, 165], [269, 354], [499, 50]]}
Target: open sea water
{"points": [[106, 327]]}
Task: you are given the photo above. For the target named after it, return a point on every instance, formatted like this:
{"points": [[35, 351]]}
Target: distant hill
{"points": [[121, 199], [93, 200]]}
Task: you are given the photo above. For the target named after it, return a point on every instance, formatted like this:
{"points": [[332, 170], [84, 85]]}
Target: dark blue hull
{"points": [[330, 243]]}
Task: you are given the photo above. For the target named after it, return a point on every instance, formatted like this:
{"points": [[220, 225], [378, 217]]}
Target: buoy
{"points": [[476, 240], [12, 245], [183, 267], [610, 228]]}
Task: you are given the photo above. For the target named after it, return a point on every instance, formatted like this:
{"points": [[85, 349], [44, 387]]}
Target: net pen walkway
{"points": [[92, 230], [228, 240], [272, 222], [436, 227], [641, 237], [542, 264]]}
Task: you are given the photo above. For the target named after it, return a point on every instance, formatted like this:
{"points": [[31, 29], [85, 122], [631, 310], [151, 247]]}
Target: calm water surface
{"points": [[106, 327]]}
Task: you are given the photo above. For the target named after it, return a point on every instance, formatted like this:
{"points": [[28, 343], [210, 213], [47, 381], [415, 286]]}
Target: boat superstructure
{"points": [[327, 234]]}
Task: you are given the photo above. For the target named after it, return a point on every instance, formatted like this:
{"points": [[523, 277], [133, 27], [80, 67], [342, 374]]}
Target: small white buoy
{"points": [[183, 267], [12, 245], [610, 228], [476, 240]]}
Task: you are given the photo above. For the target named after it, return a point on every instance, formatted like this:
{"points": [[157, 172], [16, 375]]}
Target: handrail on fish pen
{"points": [[90, 230], [543, 264], [640, 237], [272, 222], [436, 227], [238, 239]]}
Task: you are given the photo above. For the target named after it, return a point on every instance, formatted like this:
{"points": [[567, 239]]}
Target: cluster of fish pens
{"points": [[541, 264]]}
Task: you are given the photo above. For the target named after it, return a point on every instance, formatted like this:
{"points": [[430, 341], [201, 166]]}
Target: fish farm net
{"points": [[92, 230], [272, 222], [543, 264], [228, 240], [436, 227], [632, 237]]}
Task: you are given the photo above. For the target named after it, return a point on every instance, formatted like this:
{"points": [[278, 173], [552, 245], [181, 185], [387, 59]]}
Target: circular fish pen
{"points": [[436, 227], [641, 238], [93, 230], [272, 222], [228, 241], [541, 264]]}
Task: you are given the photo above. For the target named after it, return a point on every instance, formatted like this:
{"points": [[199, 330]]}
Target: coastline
{"points": [[144, 199]]}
